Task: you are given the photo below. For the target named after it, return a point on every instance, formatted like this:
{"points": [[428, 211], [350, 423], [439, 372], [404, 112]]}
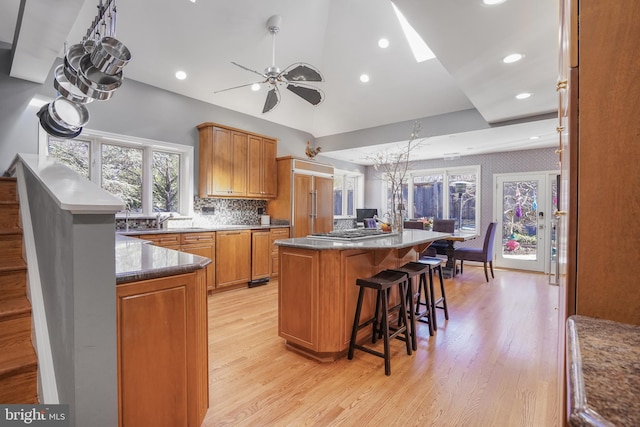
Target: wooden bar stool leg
{"points": [[408, 336], [356, 322], [385, 332], [444, 297], [423, 288], [433, 300]]}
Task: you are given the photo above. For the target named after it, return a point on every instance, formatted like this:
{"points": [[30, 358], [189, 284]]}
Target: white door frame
{"points": [[543, 262]]}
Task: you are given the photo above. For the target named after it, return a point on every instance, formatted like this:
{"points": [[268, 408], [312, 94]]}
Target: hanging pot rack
{"points": [[106, 15]]}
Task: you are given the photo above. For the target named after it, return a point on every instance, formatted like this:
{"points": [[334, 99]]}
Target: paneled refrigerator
{"points": [[305, 196]]}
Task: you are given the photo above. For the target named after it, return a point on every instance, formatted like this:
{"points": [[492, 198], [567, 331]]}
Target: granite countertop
{"points": [[603, 368], [138, 260], [391, 241], [137, 232]]}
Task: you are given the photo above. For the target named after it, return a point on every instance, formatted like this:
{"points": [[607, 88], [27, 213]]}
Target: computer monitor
{"points": [[361, 214]]}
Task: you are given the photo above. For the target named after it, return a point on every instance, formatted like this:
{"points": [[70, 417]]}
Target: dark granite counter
{"points": [[138, 260], [408, 238], [603, 369]]}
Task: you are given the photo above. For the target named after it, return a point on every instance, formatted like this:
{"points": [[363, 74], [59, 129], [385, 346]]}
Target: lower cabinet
{"points": [[162, 351], [276, 233], [203, 244], [233, 257], [260, 255]]}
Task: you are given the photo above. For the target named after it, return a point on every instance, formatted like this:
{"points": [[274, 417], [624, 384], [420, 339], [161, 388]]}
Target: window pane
{"points": [[72, 152], [462, 205], [166, 172], [122, 174], [337, 195], [427, 196], [350, 185]]}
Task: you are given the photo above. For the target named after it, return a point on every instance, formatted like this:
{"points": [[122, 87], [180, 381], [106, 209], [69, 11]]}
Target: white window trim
{"points": [[458, 170], [358, 189], [148, 145]]}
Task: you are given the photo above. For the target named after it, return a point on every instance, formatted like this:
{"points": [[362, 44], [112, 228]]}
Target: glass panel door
{"points": [[521, 206]]}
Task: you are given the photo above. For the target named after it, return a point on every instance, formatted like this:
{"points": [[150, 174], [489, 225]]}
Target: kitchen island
{"points": [[317, 290]]}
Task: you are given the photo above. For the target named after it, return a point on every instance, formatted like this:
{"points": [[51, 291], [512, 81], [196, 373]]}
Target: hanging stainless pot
{"points": [[96, 79], [72, 62], [68, 114], [66, 89], [52, 128], [110, 55]]}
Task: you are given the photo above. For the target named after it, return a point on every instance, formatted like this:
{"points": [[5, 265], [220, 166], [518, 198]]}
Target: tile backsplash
{"points": [[215, 211]]}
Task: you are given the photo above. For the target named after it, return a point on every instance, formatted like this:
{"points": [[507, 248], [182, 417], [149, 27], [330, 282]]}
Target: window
{"points": [[149, 176], [348, 190], [444, 193]]}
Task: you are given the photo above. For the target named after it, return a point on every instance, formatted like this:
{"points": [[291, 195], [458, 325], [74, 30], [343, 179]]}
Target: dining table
{"points": [[450, 269]]}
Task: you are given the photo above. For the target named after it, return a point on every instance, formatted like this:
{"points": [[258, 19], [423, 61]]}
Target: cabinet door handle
{"points": [[559, 213]]}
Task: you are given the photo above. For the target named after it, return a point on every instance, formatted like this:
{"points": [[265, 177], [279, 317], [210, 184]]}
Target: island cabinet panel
{"points": [[166, 240], [162, 351], [233, 258], [318, 296]]}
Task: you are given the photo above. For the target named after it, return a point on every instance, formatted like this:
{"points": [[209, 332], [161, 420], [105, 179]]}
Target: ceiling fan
{"points": [[293, 76]]}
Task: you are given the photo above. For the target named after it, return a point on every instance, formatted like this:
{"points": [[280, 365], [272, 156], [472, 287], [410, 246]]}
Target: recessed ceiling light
{"points": [[255, 87], [534, 137], [181, 75], [383, 43], [364, 78], [514, 57], [523, 95], [492, 2]]}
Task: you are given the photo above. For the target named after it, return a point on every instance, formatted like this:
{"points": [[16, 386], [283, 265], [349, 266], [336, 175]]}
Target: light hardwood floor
{"points": [[492, 364]]}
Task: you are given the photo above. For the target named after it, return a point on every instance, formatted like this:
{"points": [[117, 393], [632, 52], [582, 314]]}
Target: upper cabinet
{"points": [[262, 167], [235, 163]]}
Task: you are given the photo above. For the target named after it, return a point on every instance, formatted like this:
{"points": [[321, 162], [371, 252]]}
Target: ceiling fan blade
{"points": [[301, 72], [273, 99], [249, 69], [309, 93], [235, 87]]}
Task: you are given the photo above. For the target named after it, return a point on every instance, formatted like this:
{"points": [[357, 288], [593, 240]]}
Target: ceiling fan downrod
{"points": [[273, 26]]}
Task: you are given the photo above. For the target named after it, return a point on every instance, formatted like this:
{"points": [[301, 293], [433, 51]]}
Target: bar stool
{"points": [[435, 263], [411, 270], [381, 283]]}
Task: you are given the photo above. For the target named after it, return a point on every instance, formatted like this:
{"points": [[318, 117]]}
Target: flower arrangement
{"points": [[427, 223]]}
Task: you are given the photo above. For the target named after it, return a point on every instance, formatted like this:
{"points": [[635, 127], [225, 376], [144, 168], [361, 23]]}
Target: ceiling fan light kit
{"points": [[294, 77]]}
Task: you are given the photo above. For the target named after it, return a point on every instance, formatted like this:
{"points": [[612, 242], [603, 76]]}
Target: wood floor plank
{"points": [[492, 364]]}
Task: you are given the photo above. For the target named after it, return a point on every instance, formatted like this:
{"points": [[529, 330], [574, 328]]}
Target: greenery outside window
{"points": [[149, 176], [451, 193]]}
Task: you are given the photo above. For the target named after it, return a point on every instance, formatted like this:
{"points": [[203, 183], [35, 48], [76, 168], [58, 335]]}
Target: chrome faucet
{"points": [[126, 217], [160, 220]]}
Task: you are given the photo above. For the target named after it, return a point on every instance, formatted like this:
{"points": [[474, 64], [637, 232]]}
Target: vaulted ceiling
{"points": [[340, 38]]}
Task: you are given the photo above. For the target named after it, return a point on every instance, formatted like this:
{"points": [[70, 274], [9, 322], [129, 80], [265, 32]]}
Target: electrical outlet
{"points": [[208, 210], [260, 211]]}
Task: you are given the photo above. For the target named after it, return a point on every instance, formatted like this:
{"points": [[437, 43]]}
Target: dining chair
{"points": [[484, 254], [443, 226]]}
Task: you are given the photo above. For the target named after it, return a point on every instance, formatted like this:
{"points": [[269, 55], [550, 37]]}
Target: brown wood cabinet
{"points": [[203, 244], [262, 167], [166, 240], [305, 196], [162, 351], [260, 255], [276, 233], [599, 146], [235, 163], [233, 257]]}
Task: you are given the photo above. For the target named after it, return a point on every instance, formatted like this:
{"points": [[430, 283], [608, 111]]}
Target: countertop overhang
{"points": [[136, 260], [138, 232], [405, 239]]}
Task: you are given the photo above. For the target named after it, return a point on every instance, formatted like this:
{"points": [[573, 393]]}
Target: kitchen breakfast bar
{"points": [[317, 290]]}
